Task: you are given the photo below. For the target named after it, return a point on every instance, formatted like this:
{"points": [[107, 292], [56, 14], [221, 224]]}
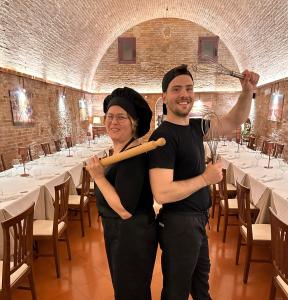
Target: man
{"points": [[180, 181]]}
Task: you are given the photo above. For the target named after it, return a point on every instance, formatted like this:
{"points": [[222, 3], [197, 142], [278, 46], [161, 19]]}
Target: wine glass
{"points": [[258, 156]]}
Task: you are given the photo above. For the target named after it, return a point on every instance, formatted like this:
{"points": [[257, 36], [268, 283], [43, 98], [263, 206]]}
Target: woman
{"points": [[124, 198]]}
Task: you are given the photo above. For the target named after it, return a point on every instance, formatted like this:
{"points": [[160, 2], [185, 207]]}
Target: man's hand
{"points": [[250, 81], [213, 173]]}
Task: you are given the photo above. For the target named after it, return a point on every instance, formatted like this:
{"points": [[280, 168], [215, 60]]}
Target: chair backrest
{"points": [[61, 204], [33, 149], [46, 148], [278, 149], [20, 230], [68, 140], [244, 213], [24, 153], [238, 135], [85, 183], [252, 142], [2, 163], [267, 147], [223, 194], [279, 239], [58, 145]]}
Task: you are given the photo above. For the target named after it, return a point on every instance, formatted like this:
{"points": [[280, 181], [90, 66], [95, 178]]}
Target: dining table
{"points": [[267, 178], [18, 192]]}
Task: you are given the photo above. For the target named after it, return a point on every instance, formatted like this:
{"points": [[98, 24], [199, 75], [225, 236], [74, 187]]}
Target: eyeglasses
{"points": [[120, 118]]}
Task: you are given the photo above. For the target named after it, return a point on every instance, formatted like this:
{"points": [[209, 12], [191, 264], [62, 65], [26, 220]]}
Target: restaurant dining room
{"points": [[143, 150]]}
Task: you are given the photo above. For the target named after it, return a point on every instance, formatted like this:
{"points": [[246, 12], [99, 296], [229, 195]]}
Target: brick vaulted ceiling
{"points": [[64, 40]]}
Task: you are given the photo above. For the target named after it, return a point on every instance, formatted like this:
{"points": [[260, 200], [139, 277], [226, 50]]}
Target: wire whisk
{"points": [[211, 66], [211, 133]]}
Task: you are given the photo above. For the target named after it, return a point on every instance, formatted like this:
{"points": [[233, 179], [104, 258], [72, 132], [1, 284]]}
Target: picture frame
{"points": [[276, 104], [208, 48], [127, 50], [21, 108]]}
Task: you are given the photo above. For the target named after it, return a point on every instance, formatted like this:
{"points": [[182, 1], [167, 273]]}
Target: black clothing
{"points": [[134, 104], [131, 181], [173, 73], [131, 250], [185, 256], [181, 225], [131, 244], [183, 152]]}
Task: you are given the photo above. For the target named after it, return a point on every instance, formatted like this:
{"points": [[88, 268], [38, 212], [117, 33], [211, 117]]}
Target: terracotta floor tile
{"points": [[87, 276]]}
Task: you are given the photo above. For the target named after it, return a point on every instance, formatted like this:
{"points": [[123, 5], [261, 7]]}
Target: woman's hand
{"points": [[95, 168]]}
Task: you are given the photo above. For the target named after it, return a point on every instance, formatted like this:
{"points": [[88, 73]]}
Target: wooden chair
{"points": [[81, 202], [34, 150], [238, 136], [231, 191], [68, 140], [252, 234], [228, 206], [17, 261], [2, 163], [252, 142], [56, 229], [58, 145], [25, 154], [46, 148], [267, 147], [278, 150], [279, 233]]}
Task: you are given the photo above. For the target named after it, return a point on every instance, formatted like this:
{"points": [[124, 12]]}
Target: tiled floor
{"points": [[87, 277]]}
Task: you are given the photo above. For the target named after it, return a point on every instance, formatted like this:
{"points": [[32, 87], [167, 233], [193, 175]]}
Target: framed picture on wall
{"points": [[276, 107], [21, 107], [127, 50], [83, 110]]}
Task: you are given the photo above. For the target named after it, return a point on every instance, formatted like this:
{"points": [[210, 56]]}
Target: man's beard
{"points": [[179, 112]]}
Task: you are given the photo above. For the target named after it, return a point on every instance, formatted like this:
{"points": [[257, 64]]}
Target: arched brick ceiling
{"points": [[64, 40]]}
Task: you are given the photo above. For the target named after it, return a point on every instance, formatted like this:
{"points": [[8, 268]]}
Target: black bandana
{"points": [[170, 75]]}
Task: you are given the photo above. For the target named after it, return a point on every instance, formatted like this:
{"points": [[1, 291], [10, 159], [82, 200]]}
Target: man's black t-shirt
{"points": [[184, 153], [130, 179]]}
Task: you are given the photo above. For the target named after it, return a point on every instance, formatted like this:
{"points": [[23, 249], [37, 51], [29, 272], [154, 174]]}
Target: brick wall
{"points": [[49, 124], [277, 131], [156, 54]]}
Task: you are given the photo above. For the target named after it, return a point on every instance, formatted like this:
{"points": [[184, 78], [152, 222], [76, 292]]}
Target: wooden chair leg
{"points": [[272, 295], [219, 217], [238, 247], [32, 285], [82, 220], [89, 213], [56, 257], [36, 248], [213, 200], [68, 245], [225, 226], [6, 295], [247, 263]]}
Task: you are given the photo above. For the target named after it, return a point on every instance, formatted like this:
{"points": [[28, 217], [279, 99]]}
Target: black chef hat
{"points": [[134, 104], [170, 75]]}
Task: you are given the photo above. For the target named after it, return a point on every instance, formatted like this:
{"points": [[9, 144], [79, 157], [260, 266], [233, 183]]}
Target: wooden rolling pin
{"points": [[132, 152]]}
